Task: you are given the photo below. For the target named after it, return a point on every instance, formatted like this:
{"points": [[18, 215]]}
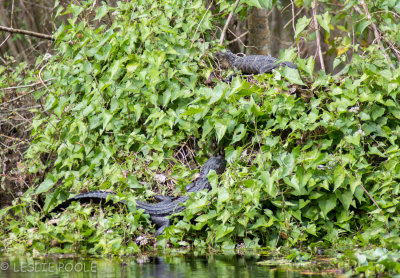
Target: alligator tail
{"points": [[93, 196]]}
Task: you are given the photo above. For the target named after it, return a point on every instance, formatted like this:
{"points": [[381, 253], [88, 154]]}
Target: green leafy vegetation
{"points": [[313, 158]]}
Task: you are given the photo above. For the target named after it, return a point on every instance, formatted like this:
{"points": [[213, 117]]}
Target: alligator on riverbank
{"points": [[250, 64], [158, 211]]}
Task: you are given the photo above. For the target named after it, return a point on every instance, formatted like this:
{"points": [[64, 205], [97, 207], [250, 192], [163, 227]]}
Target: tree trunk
{"points": [[259, 36]]}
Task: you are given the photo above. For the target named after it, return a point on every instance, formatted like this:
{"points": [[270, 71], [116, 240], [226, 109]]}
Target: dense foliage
{"points": [[312, 157]]}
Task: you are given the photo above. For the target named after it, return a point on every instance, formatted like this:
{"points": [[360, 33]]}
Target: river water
{"points": [[168, 266]]}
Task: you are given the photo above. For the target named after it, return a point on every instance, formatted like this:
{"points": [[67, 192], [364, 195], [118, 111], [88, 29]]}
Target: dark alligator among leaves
{"points": [[251, 64], [158, 211]]}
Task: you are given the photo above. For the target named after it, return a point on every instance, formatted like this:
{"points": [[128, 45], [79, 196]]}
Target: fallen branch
{"points": [[25, 32], [314, 16], [221, 39]]}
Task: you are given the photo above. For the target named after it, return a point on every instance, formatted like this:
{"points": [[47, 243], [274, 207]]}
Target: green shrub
{"points": [[129, 98]]}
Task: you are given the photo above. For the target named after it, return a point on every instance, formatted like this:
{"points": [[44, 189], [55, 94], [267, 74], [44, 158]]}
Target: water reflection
{"points": [[166, 266]]}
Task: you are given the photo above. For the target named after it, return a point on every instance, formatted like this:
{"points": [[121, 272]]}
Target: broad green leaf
{"points": [[262, 222], [106, 119], [193, 110], [203, 218], [225, 216], [197, 204], [213, 178], [292, 75], [216, 94], [266, 4], [301, 24], [50, 102], [133, 182], [269, 183], [223, 194], [76, 10], [238, 134], [360, 26], [288, 55], [101, 12], [327, 204], [287, 164], [131, 67], [220, 128], [346, 198], [354, 139], [253, 3], [377, 112], [222, 231], [4, 211], [324, 20], [312, 229], [310, 66], [339, 176], [47, 184], [207, 127], [138, 109], [303, 203]]}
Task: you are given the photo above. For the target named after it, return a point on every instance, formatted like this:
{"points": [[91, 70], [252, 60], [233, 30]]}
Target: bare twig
{"points": [[25, 32], [6, 110], [14, 99], [6, 39], [318, 35], [293, 25], [22, 117], [221, 39], [26, 86], [246, 46], [40, 76], [140, 46], [94, 5], [393, 48], [198, 26], [12, 14], [238, 38], [13, 138], [376, 32], [293, 17], [376, 204]]}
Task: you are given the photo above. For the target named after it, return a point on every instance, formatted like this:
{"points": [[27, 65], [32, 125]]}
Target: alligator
{"points": [[158, 211], [250, 64]]}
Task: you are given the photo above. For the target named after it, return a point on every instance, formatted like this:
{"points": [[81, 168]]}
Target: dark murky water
{"points": [[168, 266]]}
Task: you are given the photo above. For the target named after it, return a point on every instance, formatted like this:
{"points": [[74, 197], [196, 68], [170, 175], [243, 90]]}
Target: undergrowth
{"points": [[311, 158]]}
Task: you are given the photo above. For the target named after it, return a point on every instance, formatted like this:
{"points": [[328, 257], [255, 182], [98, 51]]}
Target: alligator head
{"points": [[216, 163], [226, 59]]}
